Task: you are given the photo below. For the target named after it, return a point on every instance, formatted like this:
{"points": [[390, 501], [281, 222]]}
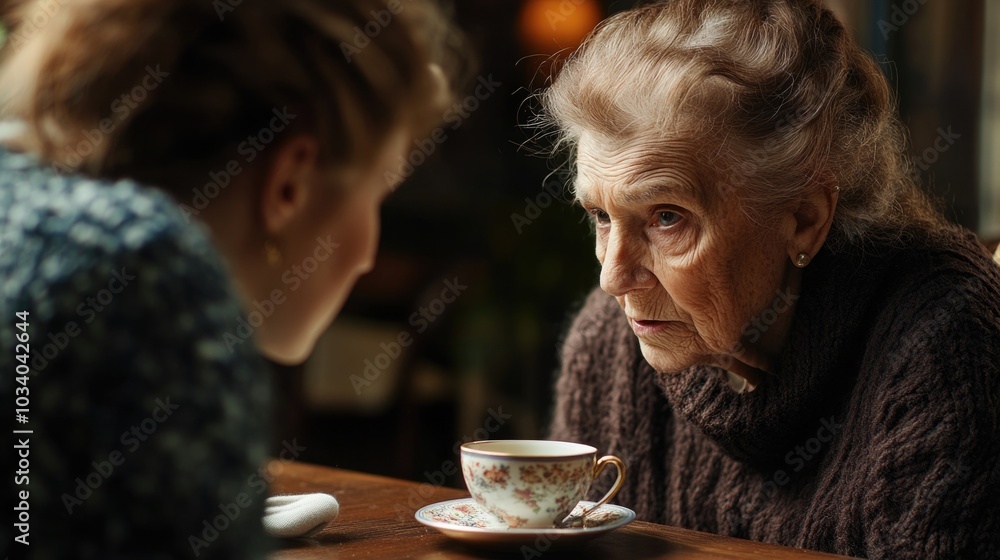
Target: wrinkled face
{"points": [[687, 267]]}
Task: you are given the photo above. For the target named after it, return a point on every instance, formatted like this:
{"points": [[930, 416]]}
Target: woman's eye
{"points": [[667, 218], [599, 216]]}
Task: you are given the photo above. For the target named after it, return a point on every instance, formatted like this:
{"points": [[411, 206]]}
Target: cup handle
{"points": [[598, 469]]}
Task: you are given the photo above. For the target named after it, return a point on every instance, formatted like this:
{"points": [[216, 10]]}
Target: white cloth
{"points": [[299, 515]]}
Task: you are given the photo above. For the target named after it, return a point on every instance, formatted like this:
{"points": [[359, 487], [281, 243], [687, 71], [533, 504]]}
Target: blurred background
{"points": [[454, 336]]}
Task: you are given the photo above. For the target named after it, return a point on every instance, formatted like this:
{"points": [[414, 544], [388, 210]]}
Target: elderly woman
{"points": [[790, 344], [184, 187]]}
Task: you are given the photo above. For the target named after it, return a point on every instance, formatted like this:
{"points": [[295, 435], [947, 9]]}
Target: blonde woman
{"points": [[185, 185]]}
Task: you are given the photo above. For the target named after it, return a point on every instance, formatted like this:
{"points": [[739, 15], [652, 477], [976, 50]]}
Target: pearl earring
{"points": [[802, 259]]}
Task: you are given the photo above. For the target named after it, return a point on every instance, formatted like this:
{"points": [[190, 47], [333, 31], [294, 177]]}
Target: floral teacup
{"points": [[534, 483]]}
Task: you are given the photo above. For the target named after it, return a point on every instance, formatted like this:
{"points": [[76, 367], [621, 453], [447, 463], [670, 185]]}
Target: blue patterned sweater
{"points": [[145, 427]]}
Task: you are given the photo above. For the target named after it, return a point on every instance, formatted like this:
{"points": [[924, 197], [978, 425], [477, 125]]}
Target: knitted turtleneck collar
{"points": [[813, 371]]}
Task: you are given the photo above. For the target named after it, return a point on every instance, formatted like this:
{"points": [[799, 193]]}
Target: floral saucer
{"points": [[466, 520]]}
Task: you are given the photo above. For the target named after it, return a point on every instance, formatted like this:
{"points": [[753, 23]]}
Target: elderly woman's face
{"points": [[686, 265]]}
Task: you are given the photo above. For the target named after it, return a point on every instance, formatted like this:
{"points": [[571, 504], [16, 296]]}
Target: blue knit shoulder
{"points": [[143, 420]]}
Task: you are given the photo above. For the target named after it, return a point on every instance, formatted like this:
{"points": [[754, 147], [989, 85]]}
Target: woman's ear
{"points": [[284, 194], [813, 219]]}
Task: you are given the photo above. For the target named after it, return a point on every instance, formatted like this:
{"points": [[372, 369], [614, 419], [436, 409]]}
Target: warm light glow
{"points": [[549, 26]]}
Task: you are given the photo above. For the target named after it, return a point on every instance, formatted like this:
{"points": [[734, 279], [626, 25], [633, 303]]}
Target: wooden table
{"points": [[376, 521]]}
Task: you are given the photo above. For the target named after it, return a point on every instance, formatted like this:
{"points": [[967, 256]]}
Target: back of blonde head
{"points": [[775, 94], [349, 71]]}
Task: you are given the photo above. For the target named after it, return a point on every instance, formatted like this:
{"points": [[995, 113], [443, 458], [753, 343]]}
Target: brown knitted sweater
{"points": [[877, 436]]}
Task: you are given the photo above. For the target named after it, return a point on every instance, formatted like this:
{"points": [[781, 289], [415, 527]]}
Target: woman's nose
{"points": [[623, 268]]}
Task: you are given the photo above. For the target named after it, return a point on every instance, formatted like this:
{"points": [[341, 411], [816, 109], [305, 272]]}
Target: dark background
{"points": [[484, 367]]}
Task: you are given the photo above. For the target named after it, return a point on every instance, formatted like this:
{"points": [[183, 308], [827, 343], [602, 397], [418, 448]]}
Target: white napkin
{"points": [[301, 515]]}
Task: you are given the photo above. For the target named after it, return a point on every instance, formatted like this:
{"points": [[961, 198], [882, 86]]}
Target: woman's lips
{"points": [[648, 327]]}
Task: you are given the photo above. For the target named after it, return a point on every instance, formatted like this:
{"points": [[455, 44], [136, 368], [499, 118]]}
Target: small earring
{"points": [[802, 259], [272, 253]]}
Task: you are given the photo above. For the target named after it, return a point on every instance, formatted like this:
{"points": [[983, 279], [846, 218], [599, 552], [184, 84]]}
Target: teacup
{"points": [[534, 483]]}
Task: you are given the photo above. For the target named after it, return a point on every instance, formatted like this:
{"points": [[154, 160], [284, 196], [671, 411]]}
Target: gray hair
{"points": [[775, 90]]}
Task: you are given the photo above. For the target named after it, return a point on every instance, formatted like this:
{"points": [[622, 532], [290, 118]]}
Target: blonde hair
{"points": [[775, 94], [164, 90]]}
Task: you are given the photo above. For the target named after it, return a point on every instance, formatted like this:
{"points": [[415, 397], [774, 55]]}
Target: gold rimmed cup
{"points": [[534, 483]]}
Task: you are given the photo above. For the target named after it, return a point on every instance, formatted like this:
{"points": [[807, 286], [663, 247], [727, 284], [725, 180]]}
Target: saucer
{"points": [[466, 520]]}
